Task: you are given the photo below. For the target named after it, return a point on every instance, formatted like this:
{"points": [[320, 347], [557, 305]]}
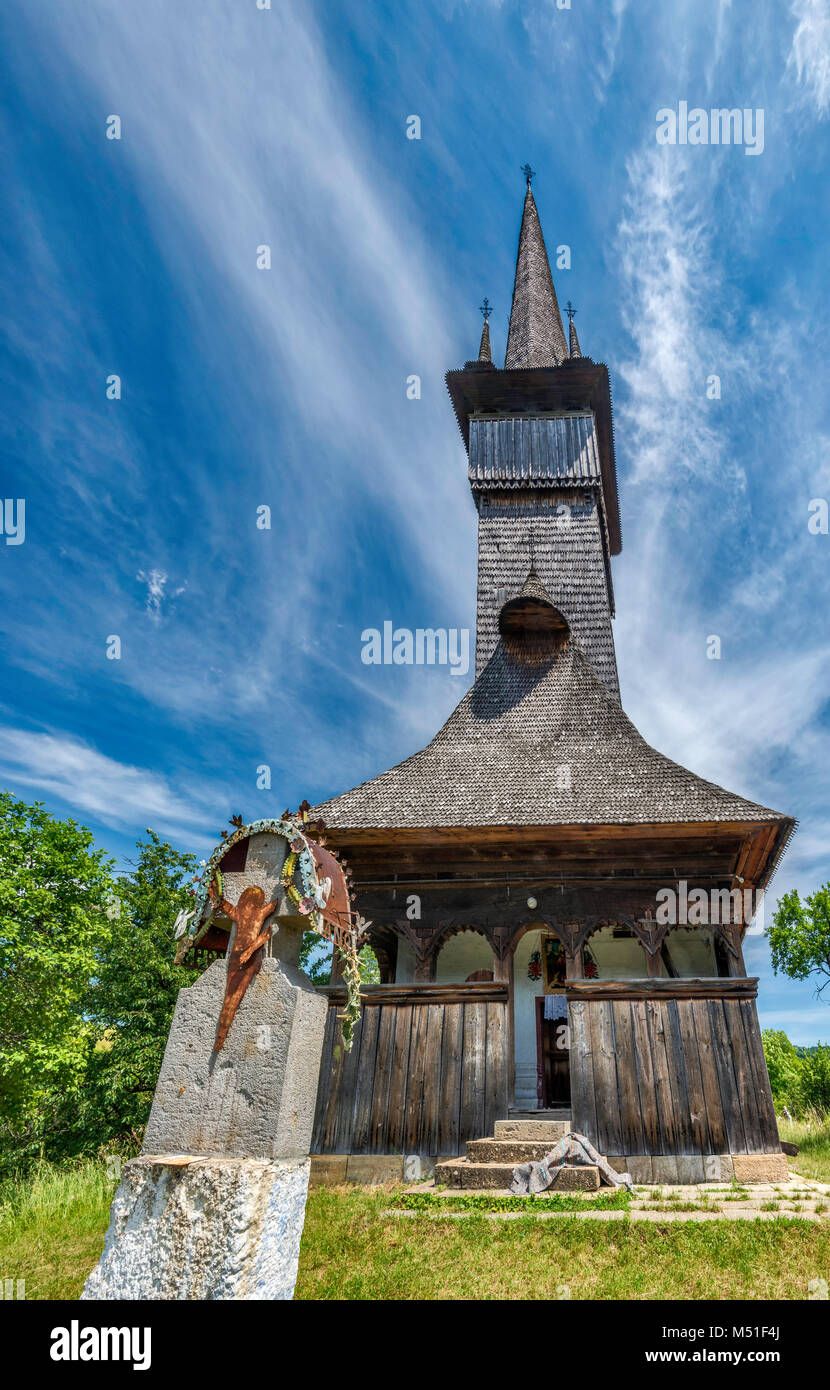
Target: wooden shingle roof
{"points": [[538, 745]]}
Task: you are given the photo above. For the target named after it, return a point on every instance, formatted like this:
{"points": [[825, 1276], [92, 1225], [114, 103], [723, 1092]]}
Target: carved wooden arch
{"points": [[575, 935], [449, 929], [420, 939], [515, 936]]}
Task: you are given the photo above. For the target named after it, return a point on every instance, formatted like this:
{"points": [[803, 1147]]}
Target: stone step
{"points": [[507, 1150], [532, 1131], [460, 1172], [560, 1114]]}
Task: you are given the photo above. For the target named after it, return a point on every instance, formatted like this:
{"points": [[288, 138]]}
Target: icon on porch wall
{"points": [[553, 964]]}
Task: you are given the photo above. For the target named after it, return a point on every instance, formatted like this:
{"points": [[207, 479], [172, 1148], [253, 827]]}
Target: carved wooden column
{"points": [[511, 1025], [731, 934], [651, 935], [421, 939], [502, 954], [336, 967], [573, 936]]}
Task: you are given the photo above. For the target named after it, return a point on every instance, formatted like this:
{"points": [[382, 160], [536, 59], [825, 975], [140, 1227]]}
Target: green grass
{"points": [[52, 1227], [482, 1201], [813, 1140], [352, 1251]]}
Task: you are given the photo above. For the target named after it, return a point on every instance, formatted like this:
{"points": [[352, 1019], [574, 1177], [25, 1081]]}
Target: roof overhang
{"points": [[578, 384], [746, 850]]}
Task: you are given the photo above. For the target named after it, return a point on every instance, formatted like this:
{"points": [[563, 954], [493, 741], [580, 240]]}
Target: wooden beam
{"points": [[478, 992], [585, 991]]}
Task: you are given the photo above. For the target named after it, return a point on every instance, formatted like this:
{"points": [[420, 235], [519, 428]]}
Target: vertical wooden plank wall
{"points": [[673, 1076], [428, 1071]]}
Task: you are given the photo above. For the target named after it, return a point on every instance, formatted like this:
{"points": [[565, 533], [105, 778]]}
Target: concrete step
{"points": [[532, 1131], [514, 1113], [460, 1172], [508, 1150]]}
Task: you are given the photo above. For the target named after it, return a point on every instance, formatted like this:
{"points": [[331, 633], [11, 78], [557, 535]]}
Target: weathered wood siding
{"points": [[428, 1071], [660, 1075]]}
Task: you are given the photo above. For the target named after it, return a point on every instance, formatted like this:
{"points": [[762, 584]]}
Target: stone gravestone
{"points": [[214, 1206]]}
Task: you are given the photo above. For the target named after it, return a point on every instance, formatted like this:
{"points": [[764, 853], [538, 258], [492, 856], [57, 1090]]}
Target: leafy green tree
{"points": [[131, 997], [785, 1070], [315, 960], [799, 1076], [56, 919], [815, 1079], [315, 957], [88, 984], [799, 936]]}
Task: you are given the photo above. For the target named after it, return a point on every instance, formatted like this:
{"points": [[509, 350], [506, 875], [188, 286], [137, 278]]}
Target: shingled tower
{"points": [[513, 871], [541, 464]]}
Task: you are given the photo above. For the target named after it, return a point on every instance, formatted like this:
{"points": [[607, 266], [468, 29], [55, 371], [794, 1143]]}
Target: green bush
{"points": [[799, 1076]]}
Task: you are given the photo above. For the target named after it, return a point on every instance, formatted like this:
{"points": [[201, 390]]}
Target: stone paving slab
{"points": [[656, 1202], [628, 1215]]}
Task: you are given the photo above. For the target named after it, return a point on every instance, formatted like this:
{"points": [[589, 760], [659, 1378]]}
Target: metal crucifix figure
{"points": [[246, 953]]}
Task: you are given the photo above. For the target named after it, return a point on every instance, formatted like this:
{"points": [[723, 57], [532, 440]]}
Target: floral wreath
{"points": [[192, 926]]}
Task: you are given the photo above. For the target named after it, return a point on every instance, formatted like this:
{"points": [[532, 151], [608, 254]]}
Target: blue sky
{"points": [[242, 387]]}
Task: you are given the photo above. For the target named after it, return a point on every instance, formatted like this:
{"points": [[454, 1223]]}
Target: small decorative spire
{"points": [[573, 340], [484, 353], [529, 174]]}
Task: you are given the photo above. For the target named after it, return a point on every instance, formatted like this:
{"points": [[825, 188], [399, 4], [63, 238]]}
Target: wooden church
{"points": [[515, 871]]}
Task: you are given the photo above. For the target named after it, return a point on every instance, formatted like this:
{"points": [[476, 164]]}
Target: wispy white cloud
{"points": [[156, 584], [809, 57], [354, 302], [713, 517], [116, 794], [804, 1026], [669, 278], [609, 40]]}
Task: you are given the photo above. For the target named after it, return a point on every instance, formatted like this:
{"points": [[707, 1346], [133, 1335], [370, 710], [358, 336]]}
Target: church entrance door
{"points": [[553, 1061]]}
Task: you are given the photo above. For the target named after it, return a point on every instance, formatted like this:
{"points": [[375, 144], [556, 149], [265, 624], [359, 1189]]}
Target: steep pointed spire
{"points": [[484, 353], [573, 340], [536, 337]]}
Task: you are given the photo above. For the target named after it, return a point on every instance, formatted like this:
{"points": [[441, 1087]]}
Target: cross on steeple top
{"points": [[486, 308], [529, 173], [571, 311]]}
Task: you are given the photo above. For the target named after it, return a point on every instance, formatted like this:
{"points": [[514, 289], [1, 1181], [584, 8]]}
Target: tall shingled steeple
{"points": [[540, 445], [536, 337]]}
